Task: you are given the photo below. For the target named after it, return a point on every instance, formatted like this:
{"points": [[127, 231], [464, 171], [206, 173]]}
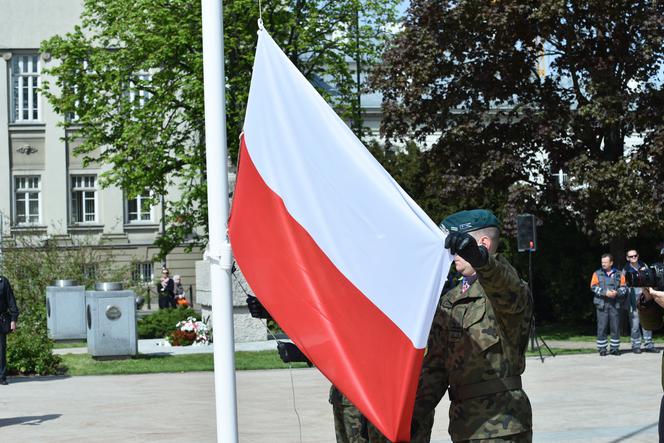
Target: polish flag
{"points": [[342, 258]]}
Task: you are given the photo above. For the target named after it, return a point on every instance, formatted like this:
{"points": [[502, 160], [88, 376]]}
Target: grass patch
{"points": [[584, 333], [70, 344], [567, 332], [245, 360], [84, 364]]}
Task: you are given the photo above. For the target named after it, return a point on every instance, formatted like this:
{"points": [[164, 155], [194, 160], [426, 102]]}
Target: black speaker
{"points": [[526, 233]]}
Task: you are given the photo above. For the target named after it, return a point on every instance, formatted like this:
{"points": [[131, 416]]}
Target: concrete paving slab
{"points": [[130, 408], [580, 398], [575, 398]]}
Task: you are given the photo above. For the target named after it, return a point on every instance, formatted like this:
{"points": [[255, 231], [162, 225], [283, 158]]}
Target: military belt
{"points": [[465, 392]]}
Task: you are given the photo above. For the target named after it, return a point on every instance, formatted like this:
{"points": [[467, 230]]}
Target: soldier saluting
{"points": [[476, 347], [478, 340]]}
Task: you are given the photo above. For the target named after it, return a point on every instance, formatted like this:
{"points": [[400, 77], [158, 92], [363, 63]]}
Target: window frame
{"points": [[24, 77], [138, 97], [139, 272], [26, 202], [139, 201], [84, 190]]}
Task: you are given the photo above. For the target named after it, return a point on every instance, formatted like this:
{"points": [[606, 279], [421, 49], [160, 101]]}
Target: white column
{"points": [[219, 250], [55, 179], [5, 166], [111, 208]]}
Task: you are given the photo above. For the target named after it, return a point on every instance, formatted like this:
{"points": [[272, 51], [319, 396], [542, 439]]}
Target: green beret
{"points": [[467, 221]]}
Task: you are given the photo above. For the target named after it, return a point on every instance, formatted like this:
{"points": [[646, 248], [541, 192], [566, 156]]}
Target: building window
{"points": [[139, 209], [138, 96], [28, 196], [83, 199], [25, 88], [143, 272]]}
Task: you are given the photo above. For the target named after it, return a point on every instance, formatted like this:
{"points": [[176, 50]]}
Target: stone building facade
{"points": [[45, 191]]}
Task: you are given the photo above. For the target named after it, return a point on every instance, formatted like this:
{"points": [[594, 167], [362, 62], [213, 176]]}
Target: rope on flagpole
{"points": [[260, 15]]}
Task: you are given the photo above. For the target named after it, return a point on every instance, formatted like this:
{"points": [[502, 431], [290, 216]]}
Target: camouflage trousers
{"points": [[523, 437], [349, 423], [420, 431]]}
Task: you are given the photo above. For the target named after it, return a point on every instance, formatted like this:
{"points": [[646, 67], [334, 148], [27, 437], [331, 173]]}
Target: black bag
{"points": [[5, 323]]}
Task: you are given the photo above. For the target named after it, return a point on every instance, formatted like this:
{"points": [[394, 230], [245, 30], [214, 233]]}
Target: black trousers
{"points": [[3, 356], [661, 421], [165, 302]]}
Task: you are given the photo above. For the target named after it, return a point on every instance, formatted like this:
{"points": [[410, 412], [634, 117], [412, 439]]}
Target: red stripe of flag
{"points": [[354, 344]]}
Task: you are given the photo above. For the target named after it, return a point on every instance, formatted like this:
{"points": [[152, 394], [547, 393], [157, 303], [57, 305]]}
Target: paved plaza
{"points": [[582, 398]]}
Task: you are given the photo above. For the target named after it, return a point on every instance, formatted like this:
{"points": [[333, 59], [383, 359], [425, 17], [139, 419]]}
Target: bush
{"points": [[162, 322], [28, 349]]}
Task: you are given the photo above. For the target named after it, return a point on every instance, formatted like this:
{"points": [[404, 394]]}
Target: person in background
{"points": [[9, 317], [165, 289], [178, 292], [608, 287], [633, 295]]}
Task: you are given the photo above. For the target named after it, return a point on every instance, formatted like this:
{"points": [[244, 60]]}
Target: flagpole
{"points": [[219, 249]]}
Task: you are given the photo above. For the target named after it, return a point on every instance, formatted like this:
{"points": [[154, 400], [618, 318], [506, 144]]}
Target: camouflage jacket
{"points": [[476, 336]]}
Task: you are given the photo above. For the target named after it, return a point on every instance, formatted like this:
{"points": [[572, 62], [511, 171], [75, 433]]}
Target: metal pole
{"points": [[219, 249], [163, 225], [2, 227], [358, 61]]}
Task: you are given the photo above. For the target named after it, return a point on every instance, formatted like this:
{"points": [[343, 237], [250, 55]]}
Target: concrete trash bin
{"points": [[65, 311], [110, 314]]}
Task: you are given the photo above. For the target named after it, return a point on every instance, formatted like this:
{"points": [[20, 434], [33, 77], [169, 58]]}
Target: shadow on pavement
{"points": [[33, 420], [13, 380], [632, 434]]}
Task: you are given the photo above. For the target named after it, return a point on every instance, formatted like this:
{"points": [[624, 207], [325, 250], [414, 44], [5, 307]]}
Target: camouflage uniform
{"points": [[479, 336], [348, 420]]}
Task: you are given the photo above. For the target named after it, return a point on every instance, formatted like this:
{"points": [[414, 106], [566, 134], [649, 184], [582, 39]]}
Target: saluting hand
{"points": [[464, 245]]}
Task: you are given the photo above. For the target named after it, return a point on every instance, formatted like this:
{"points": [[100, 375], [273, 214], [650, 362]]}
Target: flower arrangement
{"points": [[189, 332]]}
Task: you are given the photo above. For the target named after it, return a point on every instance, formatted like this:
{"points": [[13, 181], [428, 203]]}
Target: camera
{"points": [[288, 353], [256, 308], [648, 277]]}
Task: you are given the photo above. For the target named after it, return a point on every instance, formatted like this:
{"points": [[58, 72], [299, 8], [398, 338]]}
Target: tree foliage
{"points": [[520, 90], [130, 80]]}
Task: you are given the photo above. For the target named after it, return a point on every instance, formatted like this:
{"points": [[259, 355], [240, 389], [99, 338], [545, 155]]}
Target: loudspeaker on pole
{"points": [[526, 233]]}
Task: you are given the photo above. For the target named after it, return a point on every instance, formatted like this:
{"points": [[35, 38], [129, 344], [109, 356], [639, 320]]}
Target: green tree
{"points": [[513, 92], [130, 81], [520, 90]]}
